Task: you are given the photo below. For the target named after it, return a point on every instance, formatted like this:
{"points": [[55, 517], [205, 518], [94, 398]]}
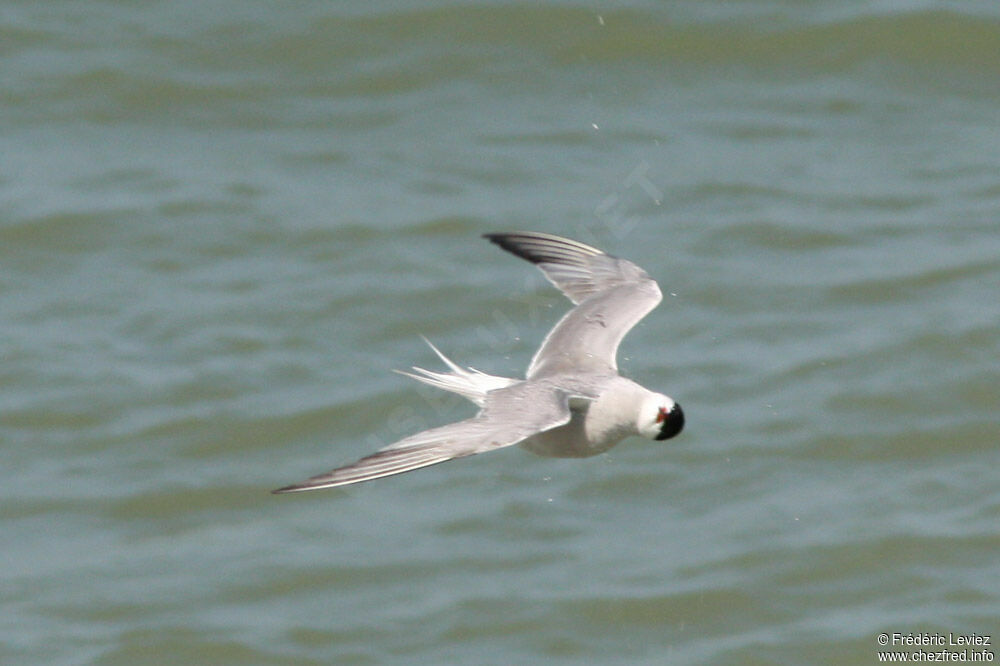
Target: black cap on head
{"points": [[673, 423]]}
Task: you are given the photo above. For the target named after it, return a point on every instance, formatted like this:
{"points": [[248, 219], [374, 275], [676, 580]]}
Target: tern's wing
{"points": [[510, 415], [611, 294]]}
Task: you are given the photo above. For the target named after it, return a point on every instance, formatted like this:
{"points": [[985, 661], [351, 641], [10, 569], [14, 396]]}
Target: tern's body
{"points": [[572, 401], [595, 425]]}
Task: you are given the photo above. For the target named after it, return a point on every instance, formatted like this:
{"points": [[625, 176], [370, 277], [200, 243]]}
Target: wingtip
{"points": [[318, 482], [301, 488], [540, 247], [513, 242], [499, 236], [294, 488], [496, 237]]}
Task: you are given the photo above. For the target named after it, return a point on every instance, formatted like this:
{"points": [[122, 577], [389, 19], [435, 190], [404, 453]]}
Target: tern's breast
{"points": [[568, 441]]}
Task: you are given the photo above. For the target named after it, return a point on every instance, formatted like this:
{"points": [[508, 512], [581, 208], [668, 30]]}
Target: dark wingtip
{"points": [[500, 238], [516, 242], [296, 488]]}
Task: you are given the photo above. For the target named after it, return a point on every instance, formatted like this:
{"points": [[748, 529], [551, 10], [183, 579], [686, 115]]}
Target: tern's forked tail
{"points": [[469, 383]]}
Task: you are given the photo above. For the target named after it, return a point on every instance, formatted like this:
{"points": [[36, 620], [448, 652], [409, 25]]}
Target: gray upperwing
{"points": [[586, 339], [511, 415], [612, 295], [576, 269]]}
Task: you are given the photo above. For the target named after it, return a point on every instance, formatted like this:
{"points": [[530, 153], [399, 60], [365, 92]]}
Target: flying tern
{"points": [[572, 402]]}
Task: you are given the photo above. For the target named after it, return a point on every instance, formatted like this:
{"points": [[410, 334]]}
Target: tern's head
{"points": [[660, 417]]}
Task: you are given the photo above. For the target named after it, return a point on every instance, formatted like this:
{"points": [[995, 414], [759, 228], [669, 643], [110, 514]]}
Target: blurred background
{"points": [[223, 224]]}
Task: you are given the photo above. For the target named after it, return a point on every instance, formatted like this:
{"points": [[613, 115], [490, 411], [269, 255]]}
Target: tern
{"points": [[572, 402]]}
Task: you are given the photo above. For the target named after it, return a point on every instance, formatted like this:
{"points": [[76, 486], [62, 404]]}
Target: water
{"points": [[223, 224]]}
